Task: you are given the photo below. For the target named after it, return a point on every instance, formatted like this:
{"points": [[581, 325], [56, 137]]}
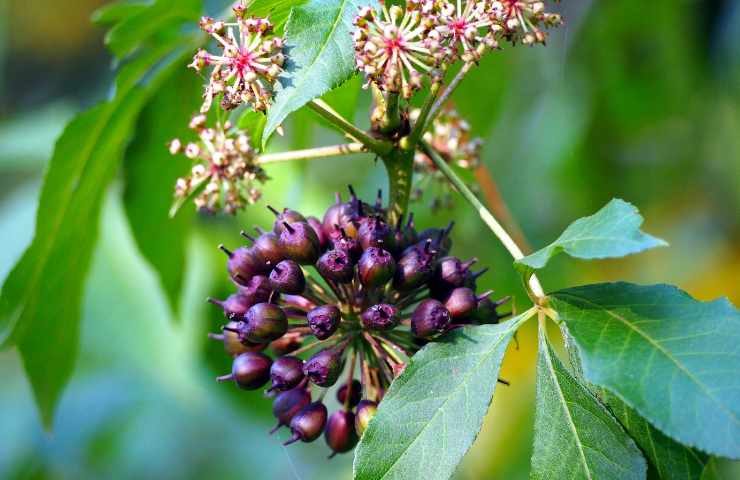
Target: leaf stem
{"points": [[450, 88], [311, 153], [409, 142], [535, 288], [322, 108]]}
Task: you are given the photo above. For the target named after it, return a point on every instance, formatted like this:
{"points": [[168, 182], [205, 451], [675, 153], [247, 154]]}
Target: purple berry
{"points": [[250, 370], [300, 243], [376, 267], [287, 277], [429, 318], [234, 306], [337, 266], [324, 321], [243, 264], [324, 367], [286, 372], [286, 216], [380, 317], [318, 228], [265, 322], [461, 302], [340, 433], [374, 232], [256, 290], [308, 423], [287, 404], [354, 388]]}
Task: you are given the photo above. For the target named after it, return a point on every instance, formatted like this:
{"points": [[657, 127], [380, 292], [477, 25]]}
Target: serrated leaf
{"points": [[150, 172], [140, 26], [433, 411], [40, 298], [613, 231], [670, 357], [575, 436], [667, 459], [320, 55]]}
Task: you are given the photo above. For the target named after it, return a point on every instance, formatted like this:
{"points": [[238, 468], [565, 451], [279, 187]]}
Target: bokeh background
{"points": [[631, 99]]}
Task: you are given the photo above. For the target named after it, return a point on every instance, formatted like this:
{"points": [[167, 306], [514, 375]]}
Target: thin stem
{"points": [[485, 215], [410, 141], [323, 109], [400, 167], [311, 153], [450, 88]]}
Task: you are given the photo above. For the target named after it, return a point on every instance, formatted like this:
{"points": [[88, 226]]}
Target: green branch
{"points": [[377, 146]]}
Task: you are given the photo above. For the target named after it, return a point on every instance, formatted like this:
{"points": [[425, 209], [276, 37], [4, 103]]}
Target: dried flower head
{"points": [[248, 66], [521, 21], [396, 48], [374, 295], [449, 135], [224, 171]]}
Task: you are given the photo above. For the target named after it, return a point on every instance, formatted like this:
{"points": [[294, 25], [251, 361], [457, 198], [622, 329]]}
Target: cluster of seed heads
{"points": [[224, 173], [449, 135], [376, 293], [247, 68], [397, 47]]}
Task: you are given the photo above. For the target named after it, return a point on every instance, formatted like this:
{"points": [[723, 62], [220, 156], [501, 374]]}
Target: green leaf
{"points": [[150, 173], [667, 459], [40, 299], [254, 124], [712, 471], [140, 26], [320, 55], [115, 12], [613, 231], [670, 357], [575, 436], [433, 411]]}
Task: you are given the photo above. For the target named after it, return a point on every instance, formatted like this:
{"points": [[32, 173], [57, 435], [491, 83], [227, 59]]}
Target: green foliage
{"points": [[150, 173], [320, 55], [433, 411], [670, 357], [575, 436], [667, 459], [613, 231]]}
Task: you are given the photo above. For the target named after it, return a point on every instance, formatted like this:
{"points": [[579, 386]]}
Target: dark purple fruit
{"points": [[461, 302], [286, 216], [243, 264], [250, 370], [232, 345], [286, 372], [324, 367], [318, 228], [365, 412], [300, 243], [341, 241], [451, 273], [324, 321], [440, 238], [380, 317], [405, 234], [336, 265], [374, 232], [256, 290], [265, 322], [287, 404], [376, 267], [354, 389], [267, 248], [340, 432], [286, 344], [487, 312], [415, 267], [308, 423], [235, 305], [287, 277], [429, 318]]}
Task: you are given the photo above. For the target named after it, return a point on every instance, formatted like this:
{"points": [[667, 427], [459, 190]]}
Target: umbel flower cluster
{"points": [[449, 135], [397, 47], [344, 301]]}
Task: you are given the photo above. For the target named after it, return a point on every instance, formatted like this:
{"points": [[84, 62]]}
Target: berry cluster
{"points": [[377, 294], [449, 135], [396, 47], [248, 66], [225, 170]]}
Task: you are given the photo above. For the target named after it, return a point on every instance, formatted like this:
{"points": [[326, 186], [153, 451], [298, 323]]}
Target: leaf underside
{"points": [[613, 231], [673, 359], [433, 411], [575, 436]]}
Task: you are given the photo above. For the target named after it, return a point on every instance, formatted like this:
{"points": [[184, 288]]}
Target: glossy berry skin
{"points": [[374, 232], [300, 243], [380, 317], [256, 290], [461, 302], [286, 372], [365, 412], [376, 267], [235, 305], [243, 264], [267, 249], [414, 268], [348, 244], [324, 367], [287, 404], [324, 321], [265, 322], [451, 273], [440, 238], [287, 277], [355, 394], [286, 216], [318, 228], [308, 423], [430, 318], [232, 345], [340, 432], [337, 266], [250, 370]]}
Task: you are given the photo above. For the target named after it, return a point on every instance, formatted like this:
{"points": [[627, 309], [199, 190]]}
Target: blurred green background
{"points": [[631, 99]]}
